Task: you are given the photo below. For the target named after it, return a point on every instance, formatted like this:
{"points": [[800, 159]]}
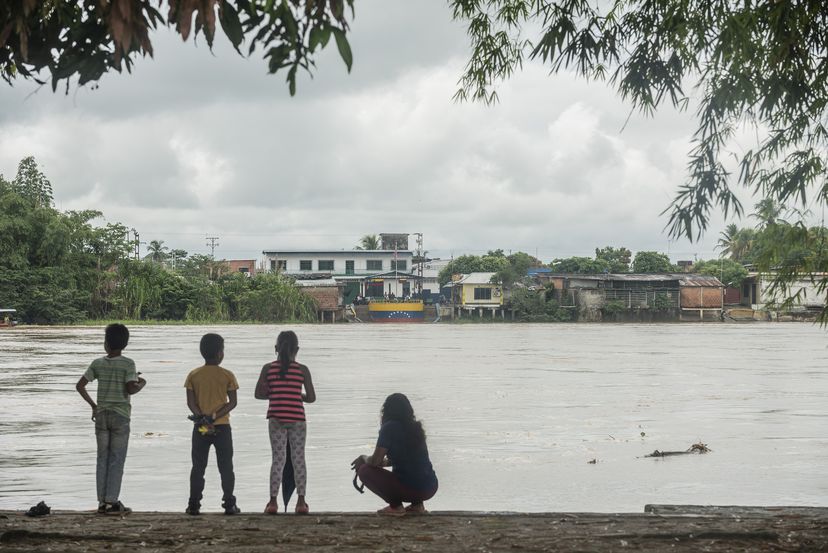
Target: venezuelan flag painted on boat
{"points": [[396, 311]]}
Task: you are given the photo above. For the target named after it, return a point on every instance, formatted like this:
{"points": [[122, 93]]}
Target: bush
{"points": [[613, 307], [663, 301], [538, 306]]}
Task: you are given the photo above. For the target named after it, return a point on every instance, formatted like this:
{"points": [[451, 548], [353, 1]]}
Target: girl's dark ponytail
{"points": [[287, 344]]}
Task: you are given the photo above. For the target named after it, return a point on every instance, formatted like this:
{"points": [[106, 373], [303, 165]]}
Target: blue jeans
{"points": [[112, 433]]}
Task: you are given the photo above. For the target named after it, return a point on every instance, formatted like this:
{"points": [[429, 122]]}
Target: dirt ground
{"points": [[663, 528]]}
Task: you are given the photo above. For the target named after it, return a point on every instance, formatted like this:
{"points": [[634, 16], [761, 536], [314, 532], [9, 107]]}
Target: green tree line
{"points": [[57, 267]]}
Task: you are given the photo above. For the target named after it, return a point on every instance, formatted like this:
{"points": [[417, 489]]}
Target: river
{"points": [[514, 413]]}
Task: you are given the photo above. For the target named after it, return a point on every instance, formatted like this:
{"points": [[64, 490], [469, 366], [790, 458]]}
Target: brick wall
{"points": [[327, 297], [696, 297]]}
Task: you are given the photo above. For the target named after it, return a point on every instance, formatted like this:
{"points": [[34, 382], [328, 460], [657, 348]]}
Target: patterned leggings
{"points": [[280, 434]]}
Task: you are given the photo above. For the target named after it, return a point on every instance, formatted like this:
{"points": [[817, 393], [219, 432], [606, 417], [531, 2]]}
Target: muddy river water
{"points": [[514, 413]]}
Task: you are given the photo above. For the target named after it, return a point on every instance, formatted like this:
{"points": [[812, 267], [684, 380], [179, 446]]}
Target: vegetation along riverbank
{"points": [[66, 267]]}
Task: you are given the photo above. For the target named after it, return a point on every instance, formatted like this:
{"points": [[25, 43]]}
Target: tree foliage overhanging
{"points": [[84, 39], [759, 67], [58, 267]]}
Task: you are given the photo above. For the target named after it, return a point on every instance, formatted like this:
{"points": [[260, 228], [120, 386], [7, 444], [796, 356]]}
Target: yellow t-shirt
{"points": [[210, 383]]}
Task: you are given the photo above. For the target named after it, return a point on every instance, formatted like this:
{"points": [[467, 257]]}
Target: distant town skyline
{"points": [[195, 144]]}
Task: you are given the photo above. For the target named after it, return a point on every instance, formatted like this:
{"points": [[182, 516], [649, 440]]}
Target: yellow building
{"points": [[478, 290]]}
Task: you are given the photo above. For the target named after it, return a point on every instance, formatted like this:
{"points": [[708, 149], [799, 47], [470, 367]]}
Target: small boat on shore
{"points": [[7, 318], [393, 311]]}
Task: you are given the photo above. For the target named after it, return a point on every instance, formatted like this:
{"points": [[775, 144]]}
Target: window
{"points": [[281, 265], [399, 265], [374, 289], [272, 264], [482, 293], [326, 264], [374, 265], [349, 266], [305, 265]]}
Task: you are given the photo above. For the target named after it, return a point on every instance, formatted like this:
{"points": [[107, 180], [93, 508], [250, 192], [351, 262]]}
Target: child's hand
{"points": [[358, 462], [94, 411]]}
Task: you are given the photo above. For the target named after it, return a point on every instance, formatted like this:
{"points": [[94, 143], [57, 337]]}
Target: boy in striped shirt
{"points": [[117, 380]]}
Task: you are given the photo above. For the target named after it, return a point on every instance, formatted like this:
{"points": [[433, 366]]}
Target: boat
{"points": [[393, 311], [402, 308], [6, 320]]}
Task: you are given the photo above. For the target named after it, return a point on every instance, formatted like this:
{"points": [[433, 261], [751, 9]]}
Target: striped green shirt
{"points": [[112, 374]]}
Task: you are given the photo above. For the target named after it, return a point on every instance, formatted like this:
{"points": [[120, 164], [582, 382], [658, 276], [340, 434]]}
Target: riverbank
{"points": [[677, 528]]}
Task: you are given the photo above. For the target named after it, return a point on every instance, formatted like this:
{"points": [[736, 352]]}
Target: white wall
{"points": [[359, 257]]}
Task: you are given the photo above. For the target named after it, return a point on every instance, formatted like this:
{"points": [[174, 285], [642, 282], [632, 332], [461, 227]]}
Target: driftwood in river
{"points": [[695, 448]]}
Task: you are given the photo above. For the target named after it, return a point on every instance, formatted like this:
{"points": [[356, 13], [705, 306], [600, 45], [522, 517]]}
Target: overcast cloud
{"points": [[194, 143]]}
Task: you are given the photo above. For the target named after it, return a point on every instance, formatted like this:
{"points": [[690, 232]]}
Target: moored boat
{"points": [[6, 320], [390, 311]]}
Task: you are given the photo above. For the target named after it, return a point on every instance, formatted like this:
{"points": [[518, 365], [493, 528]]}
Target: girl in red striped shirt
{"points": [[281, 383]]}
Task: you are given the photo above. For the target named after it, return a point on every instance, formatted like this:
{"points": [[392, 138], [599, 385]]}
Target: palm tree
{"points": [[157, 251], [369, 242], [743, 243], [768, 212], [727, 238]]}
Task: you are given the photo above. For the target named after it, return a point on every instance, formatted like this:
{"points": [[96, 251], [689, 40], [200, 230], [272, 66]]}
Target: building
{"points": [[757, 292], [477, 290], [431, 271], [367, 273], [393, 241], [687, 295], [245, 266], [327, 293], [701, 294]]}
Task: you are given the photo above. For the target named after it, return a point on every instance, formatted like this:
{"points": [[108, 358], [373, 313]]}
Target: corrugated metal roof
{"points": [[476, 278], [700, 280], [685, 279], [628, 277]]}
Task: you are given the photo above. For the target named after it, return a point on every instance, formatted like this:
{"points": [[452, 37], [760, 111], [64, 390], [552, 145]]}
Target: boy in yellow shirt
{"points": [[211, 395]]}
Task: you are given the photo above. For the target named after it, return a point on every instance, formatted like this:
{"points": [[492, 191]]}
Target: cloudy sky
{"points": [[195, 143]]}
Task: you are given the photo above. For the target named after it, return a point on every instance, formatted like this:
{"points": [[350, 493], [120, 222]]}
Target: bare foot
{"points": [[394, 511]]}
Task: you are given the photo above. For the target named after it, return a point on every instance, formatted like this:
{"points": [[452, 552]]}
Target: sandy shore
{"points": [[673, 528]]}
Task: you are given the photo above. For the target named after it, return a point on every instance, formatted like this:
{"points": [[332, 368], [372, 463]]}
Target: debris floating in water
{"points": [[695, 448]]}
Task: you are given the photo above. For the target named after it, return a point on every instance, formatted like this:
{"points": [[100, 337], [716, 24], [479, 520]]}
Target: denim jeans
{"points": [[112, 434], [222, 440]]}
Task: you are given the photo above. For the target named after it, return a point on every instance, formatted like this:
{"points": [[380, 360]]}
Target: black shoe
{"points": [[102, 508], [193, 509], [117, 508], [39, 510], [231, 508]]}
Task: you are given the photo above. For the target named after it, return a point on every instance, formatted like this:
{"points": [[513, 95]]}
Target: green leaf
{"points": [[229, 19], [315, 38], [291, 79], [343, 46], [289, 21]]}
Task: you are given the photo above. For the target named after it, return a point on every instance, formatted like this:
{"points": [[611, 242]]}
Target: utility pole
{"points": [[212, 242], [137, 244], [420, 254]]}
